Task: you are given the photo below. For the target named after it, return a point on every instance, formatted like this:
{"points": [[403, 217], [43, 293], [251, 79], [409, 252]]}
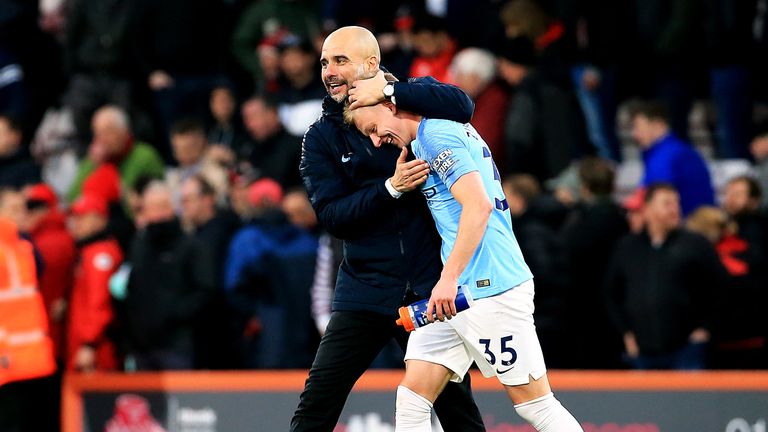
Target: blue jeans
{"points": [[730, 88], [599, 109]]}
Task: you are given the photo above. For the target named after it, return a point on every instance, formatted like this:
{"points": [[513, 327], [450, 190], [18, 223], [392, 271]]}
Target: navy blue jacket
{"points": [[391, 245]]}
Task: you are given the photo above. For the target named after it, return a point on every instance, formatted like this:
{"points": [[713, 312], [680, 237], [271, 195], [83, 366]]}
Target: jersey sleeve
{"points": [[444, 147]]}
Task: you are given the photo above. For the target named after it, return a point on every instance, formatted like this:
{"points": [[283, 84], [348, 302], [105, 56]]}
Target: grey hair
{"points": [[117, 114], [475, 61]]}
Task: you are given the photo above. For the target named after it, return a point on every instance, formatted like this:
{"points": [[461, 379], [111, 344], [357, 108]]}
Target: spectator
{"points": [[730, 48], [741, 201], [99, 59], [171, 280], [300, 97], [528, 19], [133, 197], [214, 228], [434, 48], [660, 286], [179, 52], [474, 71], [113, 142], [272, 152], [267, 21], [738, 332], [589, 237], [759, 150], [89, 344], [13, 96], [47, 227], [597, 34], [268, 277], [225, 132], [666, 48], [27, 385], [16, 167], [190, 151], [533, 146], [669, 159], [545, 256]]}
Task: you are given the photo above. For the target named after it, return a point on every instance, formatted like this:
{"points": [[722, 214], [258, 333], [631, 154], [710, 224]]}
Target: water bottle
{"points": [[415, 315]]}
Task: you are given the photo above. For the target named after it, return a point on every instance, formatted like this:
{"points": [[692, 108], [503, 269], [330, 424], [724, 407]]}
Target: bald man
{"points": [[113, 142], [363, 195]]}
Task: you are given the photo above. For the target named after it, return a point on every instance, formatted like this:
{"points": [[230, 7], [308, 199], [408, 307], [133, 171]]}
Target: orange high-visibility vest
{"points": [[26, 350]]}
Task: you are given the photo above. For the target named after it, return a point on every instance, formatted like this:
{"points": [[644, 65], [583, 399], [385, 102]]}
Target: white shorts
{"points": [[496, 332]]}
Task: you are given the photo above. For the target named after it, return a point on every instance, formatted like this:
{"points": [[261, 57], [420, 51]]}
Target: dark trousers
{"points": [[31, 405], [351, 342], [692, 356]]}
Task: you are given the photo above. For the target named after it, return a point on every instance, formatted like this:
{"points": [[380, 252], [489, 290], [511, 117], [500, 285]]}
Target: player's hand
{"points": [[409, 175], [366, 92], [443, 299]]}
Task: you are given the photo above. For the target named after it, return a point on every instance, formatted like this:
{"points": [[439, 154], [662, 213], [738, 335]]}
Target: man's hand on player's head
{"points": [[409, 175], [443, 299], [367, 92]]}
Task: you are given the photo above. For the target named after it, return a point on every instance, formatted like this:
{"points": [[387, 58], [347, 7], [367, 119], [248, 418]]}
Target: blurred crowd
{"points": [[149, 152]]}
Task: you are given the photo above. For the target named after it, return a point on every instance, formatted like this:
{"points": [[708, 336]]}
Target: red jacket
{"points": [[90, 305], [436, 67], [57, 249]]}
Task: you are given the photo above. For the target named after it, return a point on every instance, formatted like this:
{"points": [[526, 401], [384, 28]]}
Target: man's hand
{"points": [[443, 299], [85, 359], [58, 309], [367, 92], [409, 175], [630, 345]]}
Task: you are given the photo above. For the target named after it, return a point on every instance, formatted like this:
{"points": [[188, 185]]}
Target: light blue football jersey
{"points": [[453, 149]]}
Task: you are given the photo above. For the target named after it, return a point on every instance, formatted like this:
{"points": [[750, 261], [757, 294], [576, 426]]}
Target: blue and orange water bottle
{"points": [[415, 315]]}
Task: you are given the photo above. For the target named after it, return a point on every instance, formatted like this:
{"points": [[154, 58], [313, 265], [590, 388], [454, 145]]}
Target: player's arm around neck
{"points": [[476, 209]]}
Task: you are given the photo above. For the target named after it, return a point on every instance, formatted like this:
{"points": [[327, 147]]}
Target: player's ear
{"points": [[390, 106]]}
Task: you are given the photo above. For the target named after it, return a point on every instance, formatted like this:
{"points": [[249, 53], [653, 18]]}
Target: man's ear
{"points": [[372, 64], [391, 106]]}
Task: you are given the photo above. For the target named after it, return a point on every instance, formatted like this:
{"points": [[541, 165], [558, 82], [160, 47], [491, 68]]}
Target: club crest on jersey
{"points": [[443, 161]]}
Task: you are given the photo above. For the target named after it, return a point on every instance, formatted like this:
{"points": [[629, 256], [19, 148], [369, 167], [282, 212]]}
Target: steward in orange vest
{"points": [[26, 350]]}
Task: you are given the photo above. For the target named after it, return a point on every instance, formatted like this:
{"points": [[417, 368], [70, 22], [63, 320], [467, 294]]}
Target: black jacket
{"points": [[663, 293], [18, 170], [171, 280], [391, 245]]}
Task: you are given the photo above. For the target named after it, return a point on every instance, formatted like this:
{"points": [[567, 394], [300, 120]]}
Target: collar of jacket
{"points": [[332, 109], [99, 236]]}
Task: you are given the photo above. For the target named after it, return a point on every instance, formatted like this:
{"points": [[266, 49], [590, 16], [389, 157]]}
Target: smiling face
{"points": [[381, 124], [348, 54]]}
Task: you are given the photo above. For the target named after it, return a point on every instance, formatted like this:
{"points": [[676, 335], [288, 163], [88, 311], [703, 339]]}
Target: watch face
{"points": [[389, 90]]}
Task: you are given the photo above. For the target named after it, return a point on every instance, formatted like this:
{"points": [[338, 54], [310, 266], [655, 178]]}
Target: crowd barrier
{"points": [[603, 401]]}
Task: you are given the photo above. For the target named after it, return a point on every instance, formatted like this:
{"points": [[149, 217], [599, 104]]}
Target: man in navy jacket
{"points": [[391, 247]]}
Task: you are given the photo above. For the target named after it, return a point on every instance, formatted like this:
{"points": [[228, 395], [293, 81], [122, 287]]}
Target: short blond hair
{"points": [[348, 114]]}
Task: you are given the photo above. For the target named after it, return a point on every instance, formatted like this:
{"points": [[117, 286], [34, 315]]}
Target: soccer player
{"points": [[353, 188], [481, 255]]}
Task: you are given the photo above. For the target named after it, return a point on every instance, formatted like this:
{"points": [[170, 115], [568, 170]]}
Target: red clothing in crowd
{"points": [[436, 67], [489, 120], [90, 308], [57, 249]]}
